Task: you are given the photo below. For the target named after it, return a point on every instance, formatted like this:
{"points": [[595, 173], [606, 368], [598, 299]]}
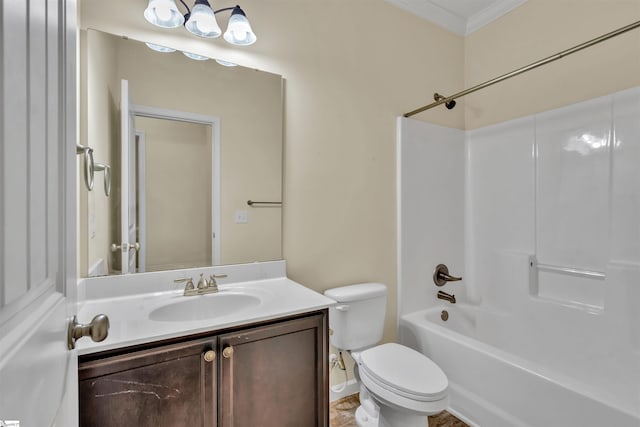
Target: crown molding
{"points": [[455, 23], [491, 13], [433, 13]]}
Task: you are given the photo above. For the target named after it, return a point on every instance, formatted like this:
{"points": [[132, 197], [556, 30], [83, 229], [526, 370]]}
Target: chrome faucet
{"points": [[204, 286], [447, 297]]}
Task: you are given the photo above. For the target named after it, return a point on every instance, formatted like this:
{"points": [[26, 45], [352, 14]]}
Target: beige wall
{"points": [[541, 28], [352, 67], [346, 82], [177, 193]]}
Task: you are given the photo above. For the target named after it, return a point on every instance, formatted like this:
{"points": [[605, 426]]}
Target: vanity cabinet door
{"points": [[275, 375], [171, 385]]}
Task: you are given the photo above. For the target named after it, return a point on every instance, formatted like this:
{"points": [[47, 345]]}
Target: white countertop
{"points": [[130, 323]]}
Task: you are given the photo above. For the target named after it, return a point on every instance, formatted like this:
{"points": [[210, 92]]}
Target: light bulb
{"points": [[204, 25], [163, 12], [240, 35]]}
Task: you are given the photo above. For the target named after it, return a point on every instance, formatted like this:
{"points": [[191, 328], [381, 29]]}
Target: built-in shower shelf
{"points": [[571, 271], [578, 287]]}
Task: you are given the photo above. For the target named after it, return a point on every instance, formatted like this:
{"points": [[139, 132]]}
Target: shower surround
{"points": [[541, 217]]}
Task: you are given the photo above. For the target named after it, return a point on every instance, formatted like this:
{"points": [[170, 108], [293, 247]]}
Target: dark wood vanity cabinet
{"points": [[274, 375], [269, 374], [171, 385]]}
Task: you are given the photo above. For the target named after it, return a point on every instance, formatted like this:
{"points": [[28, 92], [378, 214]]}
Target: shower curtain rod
{"points": [[528, 67]]}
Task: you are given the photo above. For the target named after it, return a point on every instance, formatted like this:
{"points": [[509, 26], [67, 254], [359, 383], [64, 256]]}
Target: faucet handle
{"points": [[189, 286], [189, 281], [441, 275], [213, 277], [202, 283]]}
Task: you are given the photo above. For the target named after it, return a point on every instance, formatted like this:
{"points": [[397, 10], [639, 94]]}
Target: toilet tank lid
{"points": [[361, 291]]}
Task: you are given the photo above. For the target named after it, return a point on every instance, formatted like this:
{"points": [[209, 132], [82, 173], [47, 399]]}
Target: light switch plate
{"points": [[242, 217]]}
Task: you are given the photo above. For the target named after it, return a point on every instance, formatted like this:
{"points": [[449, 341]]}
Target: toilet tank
{"points": [[357, 320]]}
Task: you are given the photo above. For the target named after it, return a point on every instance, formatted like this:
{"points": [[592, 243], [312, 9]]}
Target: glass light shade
{"points": [[195, 56], [202, 21], [163, 13], [239, 30], [226, 63], [159, 48]]}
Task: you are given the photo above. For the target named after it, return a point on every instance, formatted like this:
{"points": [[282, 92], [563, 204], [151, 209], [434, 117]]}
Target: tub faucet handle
{"points": [[441, 275]]}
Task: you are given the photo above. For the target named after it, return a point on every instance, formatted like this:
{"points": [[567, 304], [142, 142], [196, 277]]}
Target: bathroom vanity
{"points": [[260, 365], [271, 373]]}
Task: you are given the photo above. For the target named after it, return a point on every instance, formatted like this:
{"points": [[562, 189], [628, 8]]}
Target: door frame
{"points": [[141, 203], [214, 122]]}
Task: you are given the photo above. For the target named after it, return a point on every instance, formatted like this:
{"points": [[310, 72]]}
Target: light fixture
{"points": [[226, 63], [239, 30], [159, 48], [195, 56], [163, 13], [201, 20]]}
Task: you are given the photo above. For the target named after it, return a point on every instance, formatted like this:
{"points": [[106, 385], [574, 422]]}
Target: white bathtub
{"points": [[493, 384]]}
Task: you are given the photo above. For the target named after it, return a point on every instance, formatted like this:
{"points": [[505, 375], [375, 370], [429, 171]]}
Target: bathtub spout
{"points": [[445, 296]]}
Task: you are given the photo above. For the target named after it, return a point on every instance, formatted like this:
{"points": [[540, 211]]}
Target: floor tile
{"points": [[342, 414]]}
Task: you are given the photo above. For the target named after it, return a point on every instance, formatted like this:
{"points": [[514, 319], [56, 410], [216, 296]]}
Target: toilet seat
{"points": [[403, 372]]}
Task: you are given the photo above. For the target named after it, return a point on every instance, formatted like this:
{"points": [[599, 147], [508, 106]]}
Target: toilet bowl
{"points": [[406, 386], [399, 387]]}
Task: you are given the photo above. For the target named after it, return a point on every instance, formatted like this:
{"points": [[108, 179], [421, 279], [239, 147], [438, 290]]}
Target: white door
{"points": [[128, 182], [38, 374]]}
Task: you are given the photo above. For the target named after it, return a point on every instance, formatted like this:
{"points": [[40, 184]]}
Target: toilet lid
{"points": [[401, 368]]}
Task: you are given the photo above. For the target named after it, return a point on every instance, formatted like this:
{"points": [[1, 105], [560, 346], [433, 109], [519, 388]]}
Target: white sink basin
{"points": [[204, 307]]}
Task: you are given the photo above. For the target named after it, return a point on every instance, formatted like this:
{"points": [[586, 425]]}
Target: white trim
{"points": [[491, 13], [399, 121], [214, 122], [433, 13], [455, 23], [142, 200], [125, 135], [351, 387], [97, 269]]}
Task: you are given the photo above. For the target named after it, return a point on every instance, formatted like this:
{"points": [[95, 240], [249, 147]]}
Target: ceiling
{"points": [[462, 17]]}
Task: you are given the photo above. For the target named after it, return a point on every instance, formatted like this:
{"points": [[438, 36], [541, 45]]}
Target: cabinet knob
{"points": [[227, 352], [209, 356]]}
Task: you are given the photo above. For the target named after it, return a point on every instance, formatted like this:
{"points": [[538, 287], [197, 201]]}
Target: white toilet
{"points": [[399, 387]]}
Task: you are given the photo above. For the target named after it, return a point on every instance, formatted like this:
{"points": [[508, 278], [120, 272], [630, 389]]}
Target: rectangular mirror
{"points": [[200, 141]]}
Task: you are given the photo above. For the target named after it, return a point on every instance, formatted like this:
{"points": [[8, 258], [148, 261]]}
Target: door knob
{"points": [[227, 352], [98, 330], [125, 247]]}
